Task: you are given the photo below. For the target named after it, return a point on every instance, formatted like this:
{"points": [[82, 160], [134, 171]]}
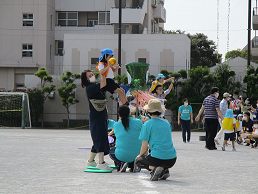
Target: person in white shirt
{"points": [[223, 107]]}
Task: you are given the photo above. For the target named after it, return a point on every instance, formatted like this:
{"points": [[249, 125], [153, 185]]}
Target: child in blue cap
{"points": [[106, 69], [159, 81], [229, 127]]}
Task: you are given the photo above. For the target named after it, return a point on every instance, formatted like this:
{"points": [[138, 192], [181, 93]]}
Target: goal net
{"points": [[14, 110]]}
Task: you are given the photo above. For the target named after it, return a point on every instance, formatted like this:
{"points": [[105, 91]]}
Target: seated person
{"points": [[156, 133], [247, 126], [253, 138], [128, 145]]}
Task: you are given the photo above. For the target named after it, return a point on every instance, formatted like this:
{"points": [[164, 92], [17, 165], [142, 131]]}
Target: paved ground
{"points": [[49, 161]]}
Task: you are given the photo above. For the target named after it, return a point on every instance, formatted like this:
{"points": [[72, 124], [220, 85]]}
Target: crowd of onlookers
{"points": [[246, 116]]}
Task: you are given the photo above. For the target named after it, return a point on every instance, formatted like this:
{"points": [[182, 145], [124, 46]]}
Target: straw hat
{"points": [[154, 105]]}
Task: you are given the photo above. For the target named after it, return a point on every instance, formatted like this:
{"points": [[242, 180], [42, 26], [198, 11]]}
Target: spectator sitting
{"points": [[247, 125], [128, 144], [253, 138]]}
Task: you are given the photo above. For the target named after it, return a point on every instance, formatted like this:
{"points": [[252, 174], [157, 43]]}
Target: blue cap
{"points": [[229, 114], [104, 52], [160, 76], [240, 115]]}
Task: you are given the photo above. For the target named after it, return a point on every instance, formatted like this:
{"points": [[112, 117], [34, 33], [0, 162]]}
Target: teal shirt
{"points": [[128, 145], [110, 124], [185, 112], [157, 132]]}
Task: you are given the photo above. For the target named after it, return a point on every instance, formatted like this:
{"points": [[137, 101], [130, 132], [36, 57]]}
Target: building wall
{"points": [[239, 65], [160, 50], [14, 34]]}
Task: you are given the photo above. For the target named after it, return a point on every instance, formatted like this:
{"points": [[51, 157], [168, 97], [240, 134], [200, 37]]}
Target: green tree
{"points": [[203, 51], [173, 32], [66, 92], [251, 79], [44, 77], [198, 85], [235, 53], [225, 79]]}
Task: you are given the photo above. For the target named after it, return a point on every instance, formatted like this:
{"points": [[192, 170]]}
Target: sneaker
{"points": [[216, 141], [104, 166], [184, 141], [93, 163], [223, 148], [247, 144], [188, 141], [164, 174], [155, 173], [214, 148], [136, 168], [233, 149], [209, 148], [123, 167]]}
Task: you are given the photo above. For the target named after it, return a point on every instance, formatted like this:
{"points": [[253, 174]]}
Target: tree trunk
{"points": [[42, 116], [68, 120]]}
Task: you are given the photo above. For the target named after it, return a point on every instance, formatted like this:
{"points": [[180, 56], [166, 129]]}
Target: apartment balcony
{"points": [[160, 13], [255, 18], [130, 15]]}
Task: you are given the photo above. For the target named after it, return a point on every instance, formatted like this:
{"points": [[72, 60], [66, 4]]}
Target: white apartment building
{"points": [[58, 33]]}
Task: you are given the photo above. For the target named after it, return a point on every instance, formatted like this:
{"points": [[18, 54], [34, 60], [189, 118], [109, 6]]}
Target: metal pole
{"points": [[119, 43], [249, 33], [23, 112]]}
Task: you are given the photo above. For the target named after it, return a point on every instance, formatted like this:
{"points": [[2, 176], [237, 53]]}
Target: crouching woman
{"points": [[156, 133]]}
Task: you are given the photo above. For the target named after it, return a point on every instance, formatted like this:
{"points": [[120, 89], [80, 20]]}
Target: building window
{"points": [[27, 19], [67, 18], [94, 62], [50, 52], [27, 50], [141, 60], [92, 23], [153, 2], [104, 18], [59, 47], [153, 28]]}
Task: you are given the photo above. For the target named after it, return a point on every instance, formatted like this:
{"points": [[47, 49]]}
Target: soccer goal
{"points": [[14, 110]]}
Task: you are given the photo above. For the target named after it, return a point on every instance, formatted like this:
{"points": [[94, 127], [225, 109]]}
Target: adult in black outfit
{"points": [[97, 119]]}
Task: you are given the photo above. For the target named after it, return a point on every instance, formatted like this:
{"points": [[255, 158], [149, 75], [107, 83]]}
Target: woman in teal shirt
{"points": [[156, 133], [128, 145], [185, 113]]}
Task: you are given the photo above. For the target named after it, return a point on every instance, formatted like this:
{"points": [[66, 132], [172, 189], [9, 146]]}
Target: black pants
{"points": [[146, 161], [211, 126], [117, 162], [186, 127]]}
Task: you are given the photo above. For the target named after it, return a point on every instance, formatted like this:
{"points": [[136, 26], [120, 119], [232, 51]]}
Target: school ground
{"points": [[53, 161]]}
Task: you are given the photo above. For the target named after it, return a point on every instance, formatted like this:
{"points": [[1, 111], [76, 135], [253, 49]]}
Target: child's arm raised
{"points": [[169, 79], [114, 69]]}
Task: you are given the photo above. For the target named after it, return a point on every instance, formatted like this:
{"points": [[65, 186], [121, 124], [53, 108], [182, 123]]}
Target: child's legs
{"points": [[121, 93], [233, 144]]}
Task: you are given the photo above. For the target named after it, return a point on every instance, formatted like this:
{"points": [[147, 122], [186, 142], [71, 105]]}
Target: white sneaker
{"points": [[233, 149], [93, 163], [104, 166]]}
